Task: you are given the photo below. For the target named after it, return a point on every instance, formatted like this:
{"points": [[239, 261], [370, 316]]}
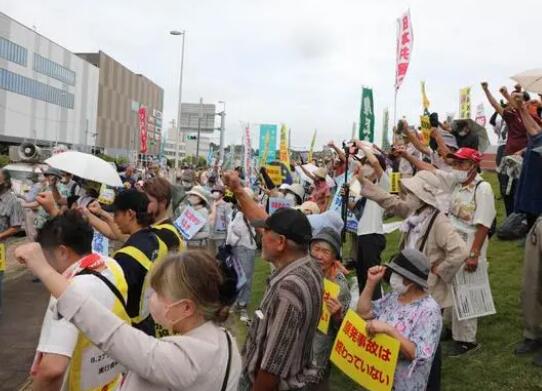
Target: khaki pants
{"points": [[464, 330]]}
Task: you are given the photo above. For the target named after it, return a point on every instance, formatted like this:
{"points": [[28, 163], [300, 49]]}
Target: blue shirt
{"points": [[529, 190]]}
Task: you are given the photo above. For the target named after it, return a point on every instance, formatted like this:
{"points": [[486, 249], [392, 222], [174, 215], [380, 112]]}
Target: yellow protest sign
{"points": [[3, 257], [331, 290], [368, 361], [426, 128], [395, 179], [274, 173], [464, 103]]}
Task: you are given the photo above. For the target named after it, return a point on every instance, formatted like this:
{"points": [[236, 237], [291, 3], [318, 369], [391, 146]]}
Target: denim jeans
{"points": [[246, 258]]}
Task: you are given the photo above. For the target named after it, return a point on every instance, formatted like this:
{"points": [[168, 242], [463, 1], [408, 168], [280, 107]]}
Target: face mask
{"points": [[367, 171], [397, 285], [159, 312], [291, 197], [193, 200], [187, 185], [460, 175], [215, 195], [413, 202]]}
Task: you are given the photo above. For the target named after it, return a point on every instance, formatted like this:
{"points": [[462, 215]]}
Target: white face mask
{"points": [[215, 195], [367, 171], [159, 312], [460, 175], [193, 200], [397, 284], [291, 197], [413, 202]]}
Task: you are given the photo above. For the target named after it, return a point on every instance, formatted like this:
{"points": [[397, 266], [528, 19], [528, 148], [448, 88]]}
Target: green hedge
{"points": [[4, 160]]}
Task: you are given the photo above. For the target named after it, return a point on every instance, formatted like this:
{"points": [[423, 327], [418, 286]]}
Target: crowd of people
{"points": [[149, 312]]}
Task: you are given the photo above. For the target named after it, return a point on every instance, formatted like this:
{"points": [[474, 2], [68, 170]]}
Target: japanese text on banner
{"points": [[426, 129], [331, 291], [368, 361], [3, 257], [277, 203], [405, 40], [189, 222], [395, 179], [464, 103]]}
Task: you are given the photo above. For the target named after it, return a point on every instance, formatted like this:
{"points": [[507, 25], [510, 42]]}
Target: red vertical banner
{"points": [[142, 129], [405, 41]]}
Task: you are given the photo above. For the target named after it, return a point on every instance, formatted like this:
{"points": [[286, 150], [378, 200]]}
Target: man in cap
{"points": [[278, 350]]}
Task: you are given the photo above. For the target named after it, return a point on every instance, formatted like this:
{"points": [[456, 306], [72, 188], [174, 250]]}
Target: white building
{"points": [[48, 95]]}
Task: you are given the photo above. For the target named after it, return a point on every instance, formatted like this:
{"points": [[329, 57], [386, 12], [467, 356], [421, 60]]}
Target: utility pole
{"points": [[179, 109], [222, 132]]}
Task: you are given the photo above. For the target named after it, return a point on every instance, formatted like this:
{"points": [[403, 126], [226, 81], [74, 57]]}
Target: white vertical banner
{"points": [[481, 115], [405, 41], [247, 159]]}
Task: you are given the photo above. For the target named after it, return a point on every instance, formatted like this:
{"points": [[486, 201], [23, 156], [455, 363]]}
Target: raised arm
{"points": [[413, 138], [246, 204], [371, 158], [339, 151], [492, 101], [365, 301], [419, 164], [528, 121]]}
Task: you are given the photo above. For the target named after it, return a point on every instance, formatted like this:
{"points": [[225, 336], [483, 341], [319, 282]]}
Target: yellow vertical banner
{"points": [[395, 178], [309, 158], [370, 362], [426, 128], [464, 103], [3, 257], [284, 155], [331, 291], [425, 100]]}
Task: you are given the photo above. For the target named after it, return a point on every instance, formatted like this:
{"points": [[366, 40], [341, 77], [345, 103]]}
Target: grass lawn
{"points": [[494, 366]]}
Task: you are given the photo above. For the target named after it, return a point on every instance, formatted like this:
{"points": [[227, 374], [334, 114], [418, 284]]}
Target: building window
{"points": [[18, 84], [53, 69], [13, 52]]}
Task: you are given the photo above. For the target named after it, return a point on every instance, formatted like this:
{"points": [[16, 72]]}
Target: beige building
{"points": [[122, 93]]}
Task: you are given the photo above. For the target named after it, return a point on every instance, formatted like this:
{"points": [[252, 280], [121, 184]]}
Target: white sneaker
{"points": [[243, 317]]}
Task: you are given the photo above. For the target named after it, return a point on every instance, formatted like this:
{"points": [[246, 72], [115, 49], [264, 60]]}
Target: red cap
{"points": [[467, 154]]}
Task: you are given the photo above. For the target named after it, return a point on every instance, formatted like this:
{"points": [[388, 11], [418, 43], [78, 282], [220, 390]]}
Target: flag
{"points": [[309, 158], [284, 155], [385, 124], [464, 103], [247, 158], [366, 116], [268, 143], [425, 100], [405, 40], [480, 115], [265, 153]]}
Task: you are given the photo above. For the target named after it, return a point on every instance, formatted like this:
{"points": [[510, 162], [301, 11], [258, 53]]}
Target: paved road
{"points": [[24, 304]]}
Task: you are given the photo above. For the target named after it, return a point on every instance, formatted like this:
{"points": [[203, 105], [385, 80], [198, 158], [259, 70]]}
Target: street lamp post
{"points": [[179, 109], [222, 131]]}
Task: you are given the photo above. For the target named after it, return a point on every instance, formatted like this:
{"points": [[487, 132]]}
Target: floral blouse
{"points": [[420, 322]]}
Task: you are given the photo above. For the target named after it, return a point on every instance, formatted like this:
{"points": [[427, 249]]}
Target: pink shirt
{"points": [[320, 195]]}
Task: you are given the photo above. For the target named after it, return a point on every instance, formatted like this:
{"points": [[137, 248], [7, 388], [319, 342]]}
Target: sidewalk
{"points": [[23, 307]]}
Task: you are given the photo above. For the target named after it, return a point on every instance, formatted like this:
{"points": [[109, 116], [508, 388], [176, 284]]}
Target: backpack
{"points": [[514, 227]]}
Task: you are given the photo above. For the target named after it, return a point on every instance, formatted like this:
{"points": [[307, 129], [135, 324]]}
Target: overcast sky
{"points": [[300, 62]]}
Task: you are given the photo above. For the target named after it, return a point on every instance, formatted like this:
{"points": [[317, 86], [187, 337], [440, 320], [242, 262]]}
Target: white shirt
{"points": [[59, 336], [241, 234], [371, 221]]}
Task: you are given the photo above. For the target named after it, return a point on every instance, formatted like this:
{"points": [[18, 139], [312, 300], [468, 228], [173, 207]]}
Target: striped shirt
{"points": [[11, 211], [281, 334]]}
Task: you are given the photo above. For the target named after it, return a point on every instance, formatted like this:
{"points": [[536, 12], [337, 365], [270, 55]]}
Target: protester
{"points": [[404, 135], [278, 349], [407, 313], [188, 298], [427, 229], [35, 215], [472, 213], [65, 358], [321, 193], [137, 255], [242, 238], [309, 208], [325, 249], [11, 216], [219, 219], [370, 232], [295, 193], [128, 177], [158, 191], [198, 199]]}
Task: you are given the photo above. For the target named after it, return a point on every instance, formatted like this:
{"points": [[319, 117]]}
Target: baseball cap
{"points": [[291, 223], [467, 154], [53, 172]]}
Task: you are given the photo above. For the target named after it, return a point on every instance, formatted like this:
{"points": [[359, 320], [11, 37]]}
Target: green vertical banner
{"points": [[367, 116], [385, 124]]}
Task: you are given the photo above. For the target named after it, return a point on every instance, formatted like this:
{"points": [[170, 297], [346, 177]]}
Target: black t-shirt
{"points": [[167, 236], [146, 242]]}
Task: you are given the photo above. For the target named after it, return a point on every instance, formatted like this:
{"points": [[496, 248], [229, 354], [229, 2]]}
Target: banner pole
{"points": [[395, 109]]}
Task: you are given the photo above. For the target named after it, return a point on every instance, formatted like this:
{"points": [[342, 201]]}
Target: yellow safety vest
{"points": [[171, 228], [86, 356]]}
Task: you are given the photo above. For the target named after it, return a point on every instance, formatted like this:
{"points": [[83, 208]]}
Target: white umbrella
{"points": [[530, 80], [86, 166]]}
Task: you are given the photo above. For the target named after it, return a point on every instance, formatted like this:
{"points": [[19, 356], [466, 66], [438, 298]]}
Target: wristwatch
{"points": [[473, 254]]}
